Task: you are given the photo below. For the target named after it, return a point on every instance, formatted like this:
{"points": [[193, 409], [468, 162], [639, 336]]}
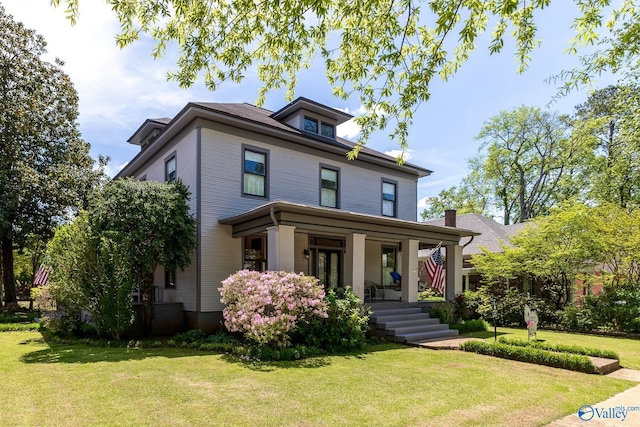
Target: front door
{"points": [[328, 266]]}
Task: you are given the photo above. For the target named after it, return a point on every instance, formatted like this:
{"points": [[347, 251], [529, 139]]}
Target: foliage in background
{"points": [[343, 329], [616, 309], [607, 122], [387, 54], [47, 171], [551, 254], [527, 163], [531, 160], [509, 304], [267, 306]]}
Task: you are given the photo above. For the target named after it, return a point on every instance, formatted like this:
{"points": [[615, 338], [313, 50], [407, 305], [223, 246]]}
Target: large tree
{"points": [[385, 52], [527, 164], [608, 122], [46, 167], [150, 223]]}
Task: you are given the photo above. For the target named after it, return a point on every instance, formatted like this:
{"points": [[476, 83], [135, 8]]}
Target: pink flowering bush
{"points": [[267, 306]]}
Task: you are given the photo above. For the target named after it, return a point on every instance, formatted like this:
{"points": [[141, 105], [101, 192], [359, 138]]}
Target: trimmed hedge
{"points": [[573, 362], [562, 348], [14, 327]]}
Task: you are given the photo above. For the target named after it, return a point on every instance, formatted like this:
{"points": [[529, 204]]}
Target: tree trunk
{"points": [[8, 277], [147, 304]]}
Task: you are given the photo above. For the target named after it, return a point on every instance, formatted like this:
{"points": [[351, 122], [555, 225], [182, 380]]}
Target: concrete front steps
{"points": [[402, 323]]}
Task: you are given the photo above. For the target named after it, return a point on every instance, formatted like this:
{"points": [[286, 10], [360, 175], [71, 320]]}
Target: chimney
{"points": [[450, 218]]}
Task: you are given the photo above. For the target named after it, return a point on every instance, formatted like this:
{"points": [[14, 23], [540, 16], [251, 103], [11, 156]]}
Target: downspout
{"points": [[273, 217]]}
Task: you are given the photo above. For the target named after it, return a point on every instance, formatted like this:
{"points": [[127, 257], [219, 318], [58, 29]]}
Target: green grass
{"points": [[628, 349], [79, 385]]}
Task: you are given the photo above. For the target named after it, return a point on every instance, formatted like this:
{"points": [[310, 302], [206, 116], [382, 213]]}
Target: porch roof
{"points": [[315, 219]]}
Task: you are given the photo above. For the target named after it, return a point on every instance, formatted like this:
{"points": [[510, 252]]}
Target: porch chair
{"points": [[376, 290], [367, 292]]}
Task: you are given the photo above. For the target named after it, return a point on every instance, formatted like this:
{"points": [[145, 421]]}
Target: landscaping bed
{"points": [[569, 357]]}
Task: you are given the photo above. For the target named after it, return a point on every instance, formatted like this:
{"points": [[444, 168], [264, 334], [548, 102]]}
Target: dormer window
{"points": [[328, 130], [310, 125]]}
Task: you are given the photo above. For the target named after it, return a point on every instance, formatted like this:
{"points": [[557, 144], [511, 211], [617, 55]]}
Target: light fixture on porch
{"points": [[306, 253]]}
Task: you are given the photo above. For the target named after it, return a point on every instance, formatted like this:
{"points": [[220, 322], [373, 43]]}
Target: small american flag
{"points": [[435, 270], [42, 276]]}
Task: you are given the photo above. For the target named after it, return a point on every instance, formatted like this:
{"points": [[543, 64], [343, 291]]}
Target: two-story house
{"points": [[274, 190]]}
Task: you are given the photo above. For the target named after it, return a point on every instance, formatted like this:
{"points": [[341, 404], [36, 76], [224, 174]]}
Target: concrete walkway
{"points": [[623, 409]]}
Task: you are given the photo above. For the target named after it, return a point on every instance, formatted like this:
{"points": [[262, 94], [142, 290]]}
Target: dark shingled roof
{"points": [[492, 233], [263, 116]]}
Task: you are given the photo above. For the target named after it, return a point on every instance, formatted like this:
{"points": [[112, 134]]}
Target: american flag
{"points": [[42, 276], [435, 270]]}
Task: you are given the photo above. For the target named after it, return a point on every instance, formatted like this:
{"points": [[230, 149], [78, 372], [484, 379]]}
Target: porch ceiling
{"points": [[316, 219]]}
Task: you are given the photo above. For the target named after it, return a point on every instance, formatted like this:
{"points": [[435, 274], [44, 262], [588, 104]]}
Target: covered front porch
{"points": [[344, 248]]}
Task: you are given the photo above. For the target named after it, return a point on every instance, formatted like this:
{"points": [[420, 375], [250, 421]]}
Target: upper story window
{"points": [[255, 173], [389, 197], [170, 168], [310, 125], [314, 126], [328, 130], [328, 187]]}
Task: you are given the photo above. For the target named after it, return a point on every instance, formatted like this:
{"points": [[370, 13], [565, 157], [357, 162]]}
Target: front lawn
{"points": [[628, 349], [386, 385]]}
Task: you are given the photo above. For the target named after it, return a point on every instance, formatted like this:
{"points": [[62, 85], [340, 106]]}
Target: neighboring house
{"points": [[274, 190], [492, 235]]}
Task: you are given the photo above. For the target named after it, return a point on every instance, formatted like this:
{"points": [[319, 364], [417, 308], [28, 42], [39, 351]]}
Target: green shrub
{"points": [[444, 312], [617, 308], [342, 330], [18, 316], [562, 348], [429, 294], [578, 319], [218, 347], [510, 306], [469, 326], [574, 362], [191, 336], [14, 327], [221, 338]]}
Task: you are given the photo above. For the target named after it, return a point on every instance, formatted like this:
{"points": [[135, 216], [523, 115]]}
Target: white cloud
{"points": [[112, 171], [350, 129], [406, 155], [423, 203]]}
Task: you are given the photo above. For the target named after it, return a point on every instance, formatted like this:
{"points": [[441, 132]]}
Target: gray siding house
{"points": [[274, 190]]}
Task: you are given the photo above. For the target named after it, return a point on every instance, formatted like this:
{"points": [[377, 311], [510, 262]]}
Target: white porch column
{"points": [[280, 248], [354, 264], [409, 271], [454, 271]]}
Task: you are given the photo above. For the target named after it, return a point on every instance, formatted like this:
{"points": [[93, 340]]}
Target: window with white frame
{"points": [[389, 196], [328, 187], [255, 173]]}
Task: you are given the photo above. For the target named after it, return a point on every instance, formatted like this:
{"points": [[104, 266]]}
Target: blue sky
{"points": [[119, 89]]}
